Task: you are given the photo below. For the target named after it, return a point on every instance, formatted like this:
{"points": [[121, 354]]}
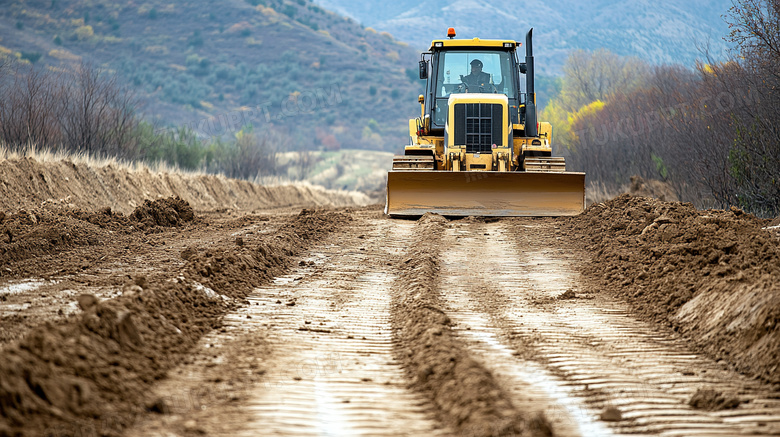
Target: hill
{"points": [[289, 66], [663, 31]]}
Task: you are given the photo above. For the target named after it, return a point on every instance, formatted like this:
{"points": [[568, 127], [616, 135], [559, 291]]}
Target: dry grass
{"points": [[44, 155], [597, 192]]}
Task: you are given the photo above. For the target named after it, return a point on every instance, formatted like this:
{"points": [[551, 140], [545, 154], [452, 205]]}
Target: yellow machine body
{"points": [[477, 148]]}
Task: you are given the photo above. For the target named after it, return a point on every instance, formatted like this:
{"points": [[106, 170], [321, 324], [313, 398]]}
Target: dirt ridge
{"points": [[27, 183], [467, 397]]}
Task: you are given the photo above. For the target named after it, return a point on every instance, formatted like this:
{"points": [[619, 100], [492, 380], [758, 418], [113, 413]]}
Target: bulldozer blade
{"points": [[498, 194]]}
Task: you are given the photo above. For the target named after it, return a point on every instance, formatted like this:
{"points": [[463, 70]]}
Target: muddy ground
{"points": [[639, 316]]}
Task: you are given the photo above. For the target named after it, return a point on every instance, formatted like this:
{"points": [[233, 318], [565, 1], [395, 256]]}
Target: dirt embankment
{"points": [[90, 374], [26, 184], [467, 397], [711, 275]]}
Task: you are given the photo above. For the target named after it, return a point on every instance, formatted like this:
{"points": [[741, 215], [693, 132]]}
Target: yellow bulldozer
{"points": [[477, 148]]}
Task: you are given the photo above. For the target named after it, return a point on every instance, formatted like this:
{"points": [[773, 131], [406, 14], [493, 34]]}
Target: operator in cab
{"points": [[478, 81]]}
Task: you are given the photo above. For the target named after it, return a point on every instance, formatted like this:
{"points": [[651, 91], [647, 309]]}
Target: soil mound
{"points": [[712, 400], [91, 374], [26, 234], [172, 211], [105, 218], [709, 274]]}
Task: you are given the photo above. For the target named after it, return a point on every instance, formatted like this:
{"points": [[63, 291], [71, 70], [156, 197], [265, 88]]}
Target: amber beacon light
{"points": [[451, 32]]}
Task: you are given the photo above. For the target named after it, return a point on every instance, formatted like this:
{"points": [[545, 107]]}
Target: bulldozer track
{"points": [[549, 164]]}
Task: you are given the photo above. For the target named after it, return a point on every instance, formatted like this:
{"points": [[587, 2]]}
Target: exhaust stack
{"points": [[530, 104]]}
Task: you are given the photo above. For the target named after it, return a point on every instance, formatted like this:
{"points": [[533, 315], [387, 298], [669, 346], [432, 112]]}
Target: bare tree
{"points": [[250, 156], [712, 133], [98, 115], [755, 27], [591, 76], [305, 162], [755, 155], [86, 111], [25, 111]]}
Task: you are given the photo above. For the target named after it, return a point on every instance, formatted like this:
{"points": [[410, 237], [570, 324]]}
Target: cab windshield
{"points": [[479, 71], [475, 72]]}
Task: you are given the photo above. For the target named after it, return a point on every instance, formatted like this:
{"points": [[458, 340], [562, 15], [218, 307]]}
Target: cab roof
{"points": [[438, 44]]}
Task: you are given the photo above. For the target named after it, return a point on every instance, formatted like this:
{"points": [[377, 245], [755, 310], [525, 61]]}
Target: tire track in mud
{"points": [[466, 395], [471, 274], [335, 373], [326, 364], [587, 355]]}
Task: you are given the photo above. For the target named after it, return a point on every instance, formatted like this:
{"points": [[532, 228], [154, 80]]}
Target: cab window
{"points": [[455, 75], [455, 67]]}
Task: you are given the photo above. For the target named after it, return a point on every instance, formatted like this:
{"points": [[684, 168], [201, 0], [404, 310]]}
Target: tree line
{"points": [[711, 132], [90, 112]]}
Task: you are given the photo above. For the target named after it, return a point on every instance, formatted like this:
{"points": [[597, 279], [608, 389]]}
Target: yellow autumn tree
{"points": [[84, 33], [590, 80]]}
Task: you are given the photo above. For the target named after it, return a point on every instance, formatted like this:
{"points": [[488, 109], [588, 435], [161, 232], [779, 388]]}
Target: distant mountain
{"points": [[320, 79], [661, 31]]}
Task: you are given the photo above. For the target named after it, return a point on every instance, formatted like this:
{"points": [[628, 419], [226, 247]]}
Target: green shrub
{"points": [[111, 21], [289, 10], [249, 93], [195, 40], [33, 57], [222, 72], [177, 147]]}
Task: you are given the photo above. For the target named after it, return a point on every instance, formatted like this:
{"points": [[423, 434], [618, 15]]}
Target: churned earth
{"points": [[174, 317]]}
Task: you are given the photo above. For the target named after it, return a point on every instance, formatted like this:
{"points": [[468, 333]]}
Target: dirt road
{"points": [[344, 322]]}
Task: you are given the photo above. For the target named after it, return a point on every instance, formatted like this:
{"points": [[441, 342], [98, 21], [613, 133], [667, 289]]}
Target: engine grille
{"points": [[478, 126]]}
